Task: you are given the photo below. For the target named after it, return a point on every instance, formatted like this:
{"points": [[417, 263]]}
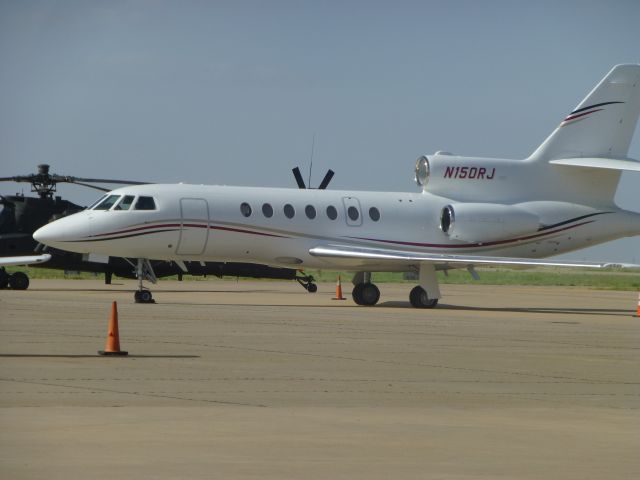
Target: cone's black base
{"points": [[120, 353]]}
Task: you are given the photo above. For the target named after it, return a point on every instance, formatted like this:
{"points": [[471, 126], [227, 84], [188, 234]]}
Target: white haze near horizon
{"points": [[233, 92]]}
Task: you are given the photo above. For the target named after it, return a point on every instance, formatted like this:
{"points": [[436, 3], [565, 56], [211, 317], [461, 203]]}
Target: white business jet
{"points": [[472, 211]]}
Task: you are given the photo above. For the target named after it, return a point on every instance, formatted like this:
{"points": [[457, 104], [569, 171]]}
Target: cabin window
{"points": [[289, 211], [107, 203], [245, 209], [374, 214], [310, 211], [145, 203], [353, 213], [125, 203], [332, 212], [267, 210]]}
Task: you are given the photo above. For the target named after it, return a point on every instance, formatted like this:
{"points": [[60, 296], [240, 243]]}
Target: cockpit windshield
{"points": [[125, 203], [96, 202], [107, 203]]}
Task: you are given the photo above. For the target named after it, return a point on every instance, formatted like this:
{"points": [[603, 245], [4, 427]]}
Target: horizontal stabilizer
{"points": [[606, 163]]}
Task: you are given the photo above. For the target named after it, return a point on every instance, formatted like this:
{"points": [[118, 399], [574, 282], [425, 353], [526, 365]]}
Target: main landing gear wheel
{"points": [[143, 296], [19, 281], [365, 294], [419, 298], [15, 281]]}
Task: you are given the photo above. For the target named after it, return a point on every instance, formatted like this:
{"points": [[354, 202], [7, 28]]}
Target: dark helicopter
{"points": [[20, 216]]}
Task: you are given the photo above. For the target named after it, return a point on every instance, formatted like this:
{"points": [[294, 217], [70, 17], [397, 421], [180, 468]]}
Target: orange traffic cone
{"points": [[112, 347], [638, 310], [339, 290]]}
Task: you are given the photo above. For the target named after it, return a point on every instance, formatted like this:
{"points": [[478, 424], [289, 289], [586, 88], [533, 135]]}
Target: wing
{"points": [[365, 256], [26, 260]]}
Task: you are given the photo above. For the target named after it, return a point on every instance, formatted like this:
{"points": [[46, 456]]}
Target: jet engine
{"points": [[486, 222]]}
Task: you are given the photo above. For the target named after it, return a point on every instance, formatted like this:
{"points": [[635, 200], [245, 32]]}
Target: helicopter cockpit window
{"points": [[107, 203], [4, 217], [145, 203], [125, 203]]}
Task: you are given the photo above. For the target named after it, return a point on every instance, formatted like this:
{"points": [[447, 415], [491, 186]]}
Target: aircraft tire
{"points": [[312, 288], [19, 281], [419, 298], [143, 296], [4, 279], [366, 294], [356, 293]]}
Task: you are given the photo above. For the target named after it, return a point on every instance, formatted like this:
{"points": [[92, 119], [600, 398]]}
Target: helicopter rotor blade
{"points": [[327, 178], [44, 183], [50, 179], [92, 186], [19, 178], [298, 177], [68, 179]]}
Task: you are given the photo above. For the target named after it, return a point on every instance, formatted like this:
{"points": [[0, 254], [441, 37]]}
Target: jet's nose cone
{"points": [[65, 233], [48, 234]]}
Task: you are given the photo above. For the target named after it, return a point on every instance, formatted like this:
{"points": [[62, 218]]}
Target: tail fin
{"points": [[603, 124]]}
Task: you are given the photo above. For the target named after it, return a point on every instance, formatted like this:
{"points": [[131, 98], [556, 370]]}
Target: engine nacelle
{"points": [[486, 222], [468, 178]]}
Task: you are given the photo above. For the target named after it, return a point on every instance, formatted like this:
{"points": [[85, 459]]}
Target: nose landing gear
{"points": [[143, 296], [144, 271]]}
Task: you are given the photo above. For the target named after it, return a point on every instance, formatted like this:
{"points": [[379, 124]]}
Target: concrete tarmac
{"points": [[249, 380]]}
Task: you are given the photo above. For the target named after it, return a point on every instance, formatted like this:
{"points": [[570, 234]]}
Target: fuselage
{"points": [[277, 226]]}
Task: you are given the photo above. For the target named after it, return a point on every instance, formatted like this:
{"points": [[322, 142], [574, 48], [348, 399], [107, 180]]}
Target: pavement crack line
{"points": [[140, 394], [408, 364]]}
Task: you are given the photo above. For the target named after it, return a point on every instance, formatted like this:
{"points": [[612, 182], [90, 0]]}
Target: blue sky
{"points": [[233, 92]]}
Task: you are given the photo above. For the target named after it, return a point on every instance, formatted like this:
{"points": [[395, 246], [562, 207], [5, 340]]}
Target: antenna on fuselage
{"points": [[313, 144], [298, 176]]}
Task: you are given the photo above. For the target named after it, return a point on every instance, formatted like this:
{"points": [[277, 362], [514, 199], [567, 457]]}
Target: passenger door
{"points": [[194, 226]]}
